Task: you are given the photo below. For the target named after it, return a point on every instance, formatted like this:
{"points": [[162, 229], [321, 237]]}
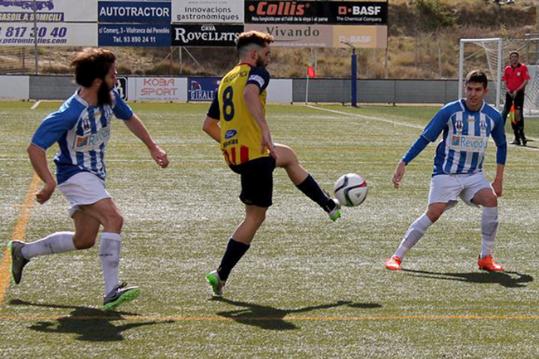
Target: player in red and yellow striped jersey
{"points": [[237, 120]]}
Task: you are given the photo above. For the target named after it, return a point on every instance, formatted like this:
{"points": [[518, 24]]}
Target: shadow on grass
{"points": [[505, 279], [90, 324], [266, 317]]}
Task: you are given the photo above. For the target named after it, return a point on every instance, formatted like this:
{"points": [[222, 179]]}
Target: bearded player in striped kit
{"points": [[465, 126], [81, 127]]}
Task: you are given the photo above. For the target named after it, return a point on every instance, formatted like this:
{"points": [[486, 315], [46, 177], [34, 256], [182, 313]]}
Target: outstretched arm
{"points": [[497, 184], [430, 133], [136, 126], [498, 135], [415, 150]]}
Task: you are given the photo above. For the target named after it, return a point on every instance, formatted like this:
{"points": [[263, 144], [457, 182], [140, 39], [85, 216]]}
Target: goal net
{"points": [[491, 55], [485, 54]]}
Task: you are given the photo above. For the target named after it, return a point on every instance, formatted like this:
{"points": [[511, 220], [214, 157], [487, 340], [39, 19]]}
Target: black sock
{"points": [[314, 192], [233, 253]]}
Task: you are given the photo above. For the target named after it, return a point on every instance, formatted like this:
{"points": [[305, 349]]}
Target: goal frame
{"points": [[498, 79]]}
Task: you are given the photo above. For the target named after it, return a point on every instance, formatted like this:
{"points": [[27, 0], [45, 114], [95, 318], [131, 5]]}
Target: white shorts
{"points": [[447, 188], [84, 188]]}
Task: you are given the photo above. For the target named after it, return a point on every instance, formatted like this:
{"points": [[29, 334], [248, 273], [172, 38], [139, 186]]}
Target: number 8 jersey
{"points": [[241, 137]]}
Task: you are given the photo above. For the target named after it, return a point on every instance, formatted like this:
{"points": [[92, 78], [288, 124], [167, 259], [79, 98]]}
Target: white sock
{"points": [[54, 243], [109, 253], [489, 226], [413, 235]]}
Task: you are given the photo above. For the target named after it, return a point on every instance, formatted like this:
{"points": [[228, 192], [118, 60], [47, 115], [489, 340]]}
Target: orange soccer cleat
{"points": [[487, 263], [393, 263]]}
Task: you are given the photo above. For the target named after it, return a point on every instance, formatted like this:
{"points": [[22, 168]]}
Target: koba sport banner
{"points": [[157, 89], [152, 35], [207, 11], [204, 35], [48, 11], [149, 11], [48, 34], [316, 12]]}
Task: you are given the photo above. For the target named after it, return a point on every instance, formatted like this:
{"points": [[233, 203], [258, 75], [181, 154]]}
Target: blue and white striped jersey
{"points": [[465, 137], [82, 132], [464, 140]]}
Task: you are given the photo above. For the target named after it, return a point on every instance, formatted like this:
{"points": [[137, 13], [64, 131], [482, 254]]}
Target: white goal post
{"points": [[491, 55], [493, 50]]}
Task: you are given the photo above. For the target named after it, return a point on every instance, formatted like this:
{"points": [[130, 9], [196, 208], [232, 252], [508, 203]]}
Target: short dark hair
{"points": [[477, 76], [259, 38], [91, 64], [514, 52]]}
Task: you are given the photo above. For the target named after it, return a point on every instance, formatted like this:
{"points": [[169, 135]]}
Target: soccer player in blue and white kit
{"points": [[81, 127], [465, 126]]}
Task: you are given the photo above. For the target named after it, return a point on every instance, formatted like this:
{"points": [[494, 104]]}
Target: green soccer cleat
{"points": [[17, 260], [216, 283], [335, 213], [119, 295]]}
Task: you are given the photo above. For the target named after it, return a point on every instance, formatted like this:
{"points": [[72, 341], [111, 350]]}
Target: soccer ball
{"points": [[351, 190]]}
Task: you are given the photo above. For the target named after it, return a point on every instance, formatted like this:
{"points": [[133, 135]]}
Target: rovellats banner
{"points": [[58, 22], [207, 11], [205, 35]]}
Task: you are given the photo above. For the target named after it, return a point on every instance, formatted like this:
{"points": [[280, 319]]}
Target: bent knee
{"points": [[83, 242], [256, 219], [434, 215], [285, 156], [490, 202], [259, 219], [114, 223]]}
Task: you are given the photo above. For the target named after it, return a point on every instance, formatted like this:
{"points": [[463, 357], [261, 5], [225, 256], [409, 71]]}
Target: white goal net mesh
{"points": [[492, 55]]}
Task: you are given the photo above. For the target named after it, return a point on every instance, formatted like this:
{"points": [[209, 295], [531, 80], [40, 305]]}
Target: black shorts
{"points": [[256, 181]]}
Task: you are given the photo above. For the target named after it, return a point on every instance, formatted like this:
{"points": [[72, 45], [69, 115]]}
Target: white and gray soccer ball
{"points": [[351, 189]]}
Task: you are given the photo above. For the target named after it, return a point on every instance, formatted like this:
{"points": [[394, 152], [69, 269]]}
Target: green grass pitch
{"points": [[307, 288]]}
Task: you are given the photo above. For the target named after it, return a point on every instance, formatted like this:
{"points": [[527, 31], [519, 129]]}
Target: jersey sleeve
{"points": [[54, 126], [436, 125], [214, 112], [498, 135], [120, 108], [260, 77]]}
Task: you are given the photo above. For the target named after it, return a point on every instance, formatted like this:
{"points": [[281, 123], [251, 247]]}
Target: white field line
{"points": [[35, 105], [393, 122], [365, 117]]}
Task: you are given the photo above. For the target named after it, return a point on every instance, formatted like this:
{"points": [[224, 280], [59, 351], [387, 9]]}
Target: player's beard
{"points": [[260, 62], [103, 95]]}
